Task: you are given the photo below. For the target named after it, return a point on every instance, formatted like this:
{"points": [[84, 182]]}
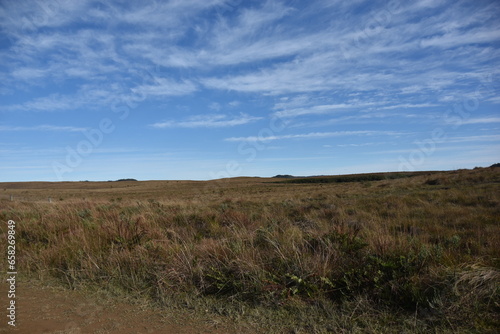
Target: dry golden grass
{"points": [[414, 254]]}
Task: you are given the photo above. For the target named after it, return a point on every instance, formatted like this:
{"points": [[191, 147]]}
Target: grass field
{"points": [[372, 253]]}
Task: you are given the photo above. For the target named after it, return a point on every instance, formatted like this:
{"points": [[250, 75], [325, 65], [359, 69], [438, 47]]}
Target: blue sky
{"points": [[192, 89]]}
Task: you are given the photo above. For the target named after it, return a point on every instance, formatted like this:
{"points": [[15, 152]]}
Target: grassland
{"points": [[391, 253]]}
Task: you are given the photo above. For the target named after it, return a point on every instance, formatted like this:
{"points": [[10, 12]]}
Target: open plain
{"points": [[367, 253]]}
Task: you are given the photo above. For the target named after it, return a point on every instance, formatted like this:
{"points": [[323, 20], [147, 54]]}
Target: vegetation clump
{"points": [[407, 254], [351, 178]]}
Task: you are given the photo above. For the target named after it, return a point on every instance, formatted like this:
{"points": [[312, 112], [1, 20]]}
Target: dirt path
{"points": [[54, 310]]}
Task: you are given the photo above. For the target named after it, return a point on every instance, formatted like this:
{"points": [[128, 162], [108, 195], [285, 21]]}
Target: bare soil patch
{"points": [[57, 310]]}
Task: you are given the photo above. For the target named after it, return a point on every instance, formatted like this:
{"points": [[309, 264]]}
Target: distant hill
{"points": [[495, 165], [125, 180], [285, 176]]}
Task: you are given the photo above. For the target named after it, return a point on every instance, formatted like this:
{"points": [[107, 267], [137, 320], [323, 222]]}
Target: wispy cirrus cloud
{"points": [[363, 59], [305, 60], [481, 120], [87, 96], [42, 128], [166, 87], [319, 109], [314, 135], [466, 139], [53, 102], [409, 105], [208, 121], [305, 105], [457, 38]]}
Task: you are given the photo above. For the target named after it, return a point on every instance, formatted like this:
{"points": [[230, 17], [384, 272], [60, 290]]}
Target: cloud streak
{"points": [[313, 135], [208, 121], [42, 128], [483, 120]]}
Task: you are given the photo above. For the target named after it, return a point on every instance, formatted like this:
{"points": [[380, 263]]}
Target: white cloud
{"points": [[166, 87], [42, 128], [303, 105], [215, 106], [87, 96], [323, 109], [313, 135], [362, 144], [465, 139], [307, 60], [457, 39], [27, 74], [53, 102], [208, 121], [409, 105], [26, 16], [248, 23], [302, 75], [483, 120], [165, 14]]}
